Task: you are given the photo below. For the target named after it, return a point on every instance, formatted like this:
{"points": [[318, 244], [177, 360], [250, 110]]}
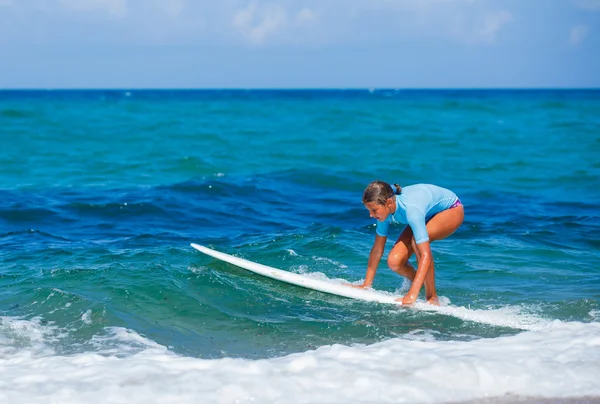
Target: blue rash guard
{"points": [[415, 206]]}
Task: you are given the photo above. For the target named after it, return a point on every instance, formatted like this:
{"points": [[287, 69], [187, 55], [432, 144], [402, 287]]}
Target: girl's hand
{"points": [[363, 286]]}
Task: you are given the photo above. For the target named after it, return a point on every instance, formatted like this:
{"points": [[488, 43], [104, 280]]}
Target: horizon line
{"points": [[371, 89]]}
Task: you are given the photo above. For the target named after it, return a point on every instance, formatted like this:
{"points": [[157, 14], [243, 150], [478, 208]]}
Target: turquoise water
{"points": [[101, 193]]}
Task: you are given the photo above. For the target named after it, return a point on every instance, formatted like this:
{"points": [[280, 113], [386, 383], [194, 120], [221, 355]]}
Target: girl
{"points": [[431, 212]]}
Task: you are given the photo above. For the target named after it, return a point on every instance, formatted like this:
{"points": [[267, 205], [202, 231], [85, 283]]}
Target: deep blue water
{"points": [[101, 193]]}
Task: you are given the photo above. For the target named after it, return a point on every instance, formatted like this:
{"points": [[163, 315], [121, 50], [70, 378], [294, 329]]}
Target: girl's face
{"points": [[380, 212]]}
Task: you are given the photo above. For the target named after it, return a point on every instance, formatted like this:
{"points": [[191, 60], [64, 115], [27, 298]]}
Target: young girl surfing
{"points": [[431, 213]]}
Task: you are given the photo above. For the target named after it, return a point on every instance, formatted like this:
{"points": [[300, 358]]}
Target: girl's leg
{"points": [[445, 223], [401, 253], [439, 227], [430, 292]]}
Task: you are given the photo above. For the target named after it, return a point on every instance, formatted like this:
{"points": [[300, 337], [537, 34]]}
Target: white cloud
{"points": [[462, 21], [172, 8], [117, 8], [588, 4], [492, 24], [261, 23], [303, 23], [258, 21], [306, 14], [411, 5], [578, 34]]}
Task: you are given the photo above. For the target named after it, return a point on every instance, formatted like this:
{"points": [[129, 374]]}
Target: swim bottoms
{"points": [[455, 204]]}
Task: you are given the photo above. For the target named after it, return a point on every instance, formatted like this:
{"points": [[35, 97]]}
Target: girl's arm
{"points": [[374, 258], [425, 259]]}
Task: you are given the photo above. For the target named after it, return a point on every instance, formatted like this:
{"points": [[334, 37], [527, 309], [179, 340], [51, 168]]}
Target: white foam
{"points": [[329, 261], [123, 342], [509, 316], [87, 317], [197, 269], [562, 360], [27, 336]]}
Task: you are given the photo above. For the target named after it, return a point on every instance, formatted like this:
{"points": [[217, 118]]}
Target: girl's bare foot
{"points": [[434, 300]]}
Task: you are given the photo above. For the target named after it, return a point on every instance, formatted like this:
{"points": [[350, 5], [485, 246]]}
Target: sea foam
{"points": [[560, 360]]}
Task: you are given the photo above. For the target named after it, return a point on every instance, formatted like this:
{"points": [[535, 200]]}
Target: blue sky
{"points": [[299, 43]]}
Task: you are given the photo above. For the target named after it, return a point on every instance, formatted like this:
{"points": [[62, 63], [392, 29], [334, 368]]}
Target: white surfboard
{"points": [[368, 295]]}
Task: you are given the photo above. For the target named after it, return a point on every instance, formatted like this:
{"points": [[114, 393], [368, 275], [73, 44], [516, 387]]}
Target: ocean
{"points": [[102, 299]]}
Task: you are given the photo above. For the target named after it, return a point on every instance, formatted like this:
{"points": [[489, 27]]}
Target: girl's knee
{"points": [[396, 260]]}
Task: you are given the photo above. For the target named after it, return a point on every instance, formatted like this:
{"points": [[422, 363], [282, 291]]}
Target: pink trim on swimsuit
{"points": [[455, 204]]}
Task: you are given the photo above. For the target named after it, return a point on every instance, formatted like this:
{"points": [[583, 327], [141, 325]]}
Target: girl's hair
{"points": [[380, 191]]}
